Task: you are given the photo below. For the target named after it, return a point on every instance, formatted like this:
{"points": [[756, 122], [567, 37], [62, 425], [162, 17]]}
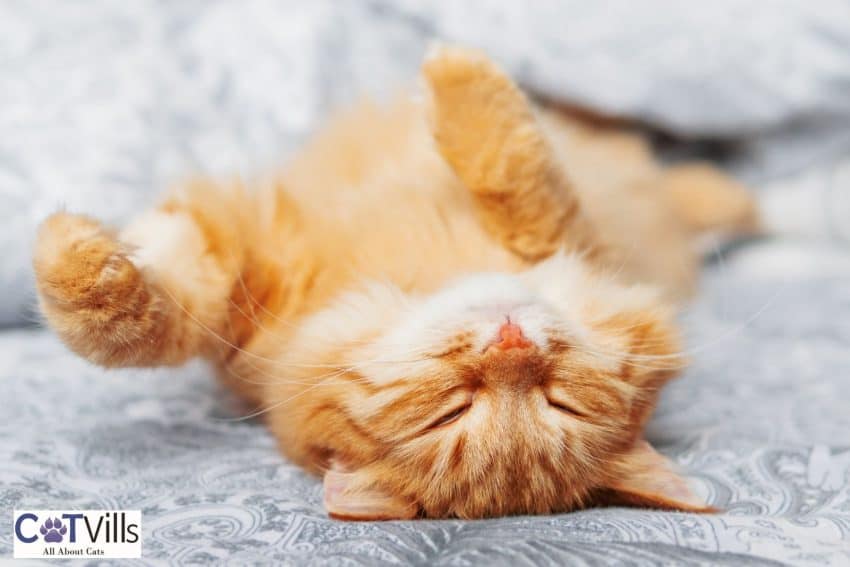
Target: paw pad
{"points": [[52, 530]]}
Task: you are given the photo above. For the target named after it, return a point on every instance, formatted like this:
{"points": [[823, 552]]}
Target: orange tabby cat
{"points": [[446, 308]]}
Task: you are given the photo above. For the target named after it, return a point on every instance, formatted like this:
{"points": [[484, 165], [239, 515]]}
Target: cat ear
{"points": [[354, 496], [647, 479]]}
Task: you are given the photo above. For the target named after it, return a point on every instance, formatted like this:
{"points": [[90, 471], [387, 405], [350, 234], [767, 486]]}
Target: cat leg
{"points": [[486, 130], [145, 297], [708, 200]]}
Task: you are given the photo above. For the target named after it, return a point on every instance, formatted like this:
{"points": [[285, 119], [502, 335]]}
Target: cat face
{"points": [[498, 394]]}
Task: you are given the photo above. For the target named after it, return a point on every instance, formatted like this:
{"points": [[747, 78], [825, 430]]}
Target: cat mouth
{"points": [[513, 357]]}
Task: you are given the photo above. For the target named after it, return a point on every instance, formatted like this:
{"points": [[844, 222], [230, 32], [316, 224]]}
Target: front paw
{"points": [[80, 266]]}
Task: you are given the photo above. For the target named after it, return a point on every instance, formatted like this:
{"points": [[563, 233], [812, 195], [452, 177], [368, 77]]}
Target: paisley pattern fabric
{"points": [[759, 423]]}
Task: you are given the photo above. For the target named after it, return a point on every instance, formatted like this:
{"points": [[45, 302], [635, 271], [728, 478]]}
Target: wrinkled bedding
{"points": [[111, 101]]}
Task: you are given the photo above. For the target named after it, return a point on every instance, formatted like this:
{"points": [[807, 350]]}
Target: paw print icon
{"points": [[53, 530]]}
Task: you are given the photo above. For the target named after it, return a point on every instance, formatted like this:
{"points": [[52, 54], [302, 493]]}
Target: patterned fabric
{"points": [[104, 103], [759, 423]]}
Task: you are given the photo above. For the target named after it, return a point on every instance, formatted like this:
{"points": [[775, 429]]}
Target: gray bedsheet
{"points": [[760, 424]]}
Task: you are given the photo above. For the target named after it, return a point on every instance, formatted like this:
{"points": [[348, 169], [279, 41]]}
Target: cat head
{"points": [[498, 394]]}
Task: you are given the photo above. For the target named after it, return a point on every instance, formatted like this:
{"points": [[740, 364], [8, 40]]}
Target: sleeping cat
{"points": [[456, 307]]}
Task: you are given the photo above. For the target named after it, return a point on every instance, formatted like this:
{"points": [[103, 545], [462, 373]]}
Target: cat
{"points": [[460, 305]]}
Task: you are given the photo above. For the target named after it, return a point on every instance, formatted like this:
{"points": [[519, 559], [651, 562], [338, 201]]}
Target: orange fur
{"points": [[356, 296]]}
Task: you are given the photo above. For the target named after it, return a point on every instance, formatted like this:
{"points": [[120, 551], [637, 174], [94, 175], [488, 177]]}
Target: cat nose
{"points": [[511, 336]]}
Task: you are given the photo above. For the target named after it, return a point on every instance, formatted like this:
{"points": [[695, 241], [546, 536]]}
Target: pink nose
{"points": [[510, 336]]}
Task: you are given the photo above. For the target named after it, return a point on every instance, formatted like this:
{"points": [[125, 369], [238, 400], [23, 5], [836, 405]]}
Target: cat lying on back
{"points": [[453, 308]]}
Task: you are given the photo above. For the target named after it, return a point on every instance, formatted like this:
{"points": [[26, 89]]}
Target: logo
{"points": [[103, 534], [53, 530]]}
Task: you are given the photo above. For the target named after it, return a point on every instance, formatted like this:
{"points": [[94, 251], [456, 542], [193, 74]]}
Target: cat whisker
{"points": [[729, 333], [276, 362], [278, 380], [274, 405]]}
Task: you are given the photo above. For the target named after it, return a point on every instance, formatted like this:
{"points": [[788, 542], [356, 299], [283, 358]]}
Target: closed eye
{"points": [[451, 417], [566, 408]]}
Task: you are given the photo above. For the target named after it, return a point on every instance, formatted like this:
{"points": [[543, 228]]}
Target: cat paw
{"points": [[79, 265], [464, 80], [444, 65], [482, 123]]}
